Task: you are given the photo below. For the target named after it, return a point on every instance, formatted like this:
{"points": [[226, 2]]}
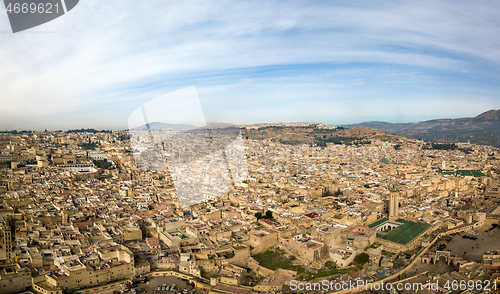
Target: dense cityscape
{"points": [[249, 147], [85, 212]]}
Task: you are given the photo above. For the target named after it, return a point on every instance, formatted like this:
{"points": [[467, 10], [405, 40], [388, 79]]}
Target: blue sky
{"points": [[320, 61]]}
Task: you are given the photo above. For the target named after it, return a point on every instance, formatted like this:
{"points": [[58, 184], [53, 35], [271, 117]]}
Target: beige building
{"points": [[130, 234], [359, 236], [342, 256], [101, 267], [400, 235], [14, 279], [262, 240], [304, 245]]}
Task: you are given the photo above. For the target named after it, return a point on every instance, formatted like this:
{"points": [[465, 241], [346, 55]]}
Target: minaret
{"points": [[444, 165], [393, 203]]}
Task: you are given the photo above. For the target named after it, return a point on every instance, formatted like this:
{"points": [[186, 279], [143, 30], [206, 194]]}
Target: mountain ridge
{"points": [[482, 129]]}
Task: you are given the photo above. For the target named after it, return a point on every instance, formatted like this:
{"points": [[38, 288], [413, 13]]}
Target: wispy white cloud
{"points": [[110, 57]]}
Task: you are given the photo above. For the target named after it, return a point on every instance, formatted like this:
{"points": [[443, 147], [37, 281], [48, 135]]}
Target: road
{"points": [[153, 283]]}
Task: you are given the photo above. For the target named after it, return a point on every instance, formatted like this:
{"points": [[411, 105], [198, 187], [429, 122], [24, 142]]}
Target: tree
{"points": [[258, 215], [362, 258], [269, 214], [329, 264], [104, 164]]}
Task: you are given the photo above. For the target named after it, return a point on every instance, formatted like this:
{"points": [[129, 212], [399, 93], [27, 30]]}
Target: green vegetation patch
{"points": [[324, 272], [104, 164], [362, 258], [274, 260], [268, 215]]}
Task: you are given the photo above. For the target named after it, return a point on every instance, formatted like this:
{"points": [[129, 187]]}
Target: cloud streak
{"points": [[108, 57]]}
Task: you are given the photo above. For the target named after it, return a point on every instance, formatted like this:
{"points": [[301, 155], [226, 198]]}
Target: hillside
{"points": [[482, 129], [313, 135]]}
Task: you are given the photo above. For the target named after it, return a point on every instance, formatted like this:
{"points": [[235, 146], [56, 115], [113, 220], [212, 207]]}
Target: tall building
{"points": [[5, 241], [393, 202]]}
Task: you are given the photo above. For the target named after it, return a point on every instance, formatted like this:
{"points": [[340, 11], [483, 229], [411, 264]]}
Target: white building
{"points": [[98, 156]]}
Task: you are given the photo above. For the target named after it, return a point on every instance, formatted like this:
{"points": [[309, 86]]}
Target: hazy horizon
{"points": [[342, 124]]}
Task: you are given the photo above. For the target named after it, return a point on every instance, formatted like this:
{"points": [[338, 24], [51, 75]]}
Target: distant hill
{"points": [[482, 129], [312, 135], [160, 126]]}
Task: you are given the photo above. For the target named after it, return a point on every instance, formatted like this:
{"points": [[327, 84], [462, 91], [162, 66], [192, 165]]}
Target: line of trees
{"points": [[268, 215]]}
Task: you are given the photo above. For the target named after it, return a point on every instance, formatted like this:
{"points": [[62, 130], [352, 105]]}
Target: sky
{"points": [[335, 62]]}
